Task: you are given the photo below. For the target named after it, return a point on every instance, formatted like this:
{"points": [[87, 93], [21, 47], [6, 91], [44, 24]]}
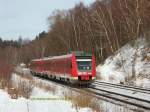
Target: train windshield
{"points": [[84, 64]]}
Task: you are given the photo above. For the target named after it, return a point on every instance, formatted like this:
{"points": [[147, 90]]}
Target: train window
{"points": [[84, 65], [70, 65], [84, 57]]}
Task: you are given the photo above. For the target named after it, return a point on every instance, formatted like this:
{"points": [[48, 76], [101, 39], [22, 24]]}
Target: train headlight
{"points": [[89, 73], [80, 73], [84, 73]]}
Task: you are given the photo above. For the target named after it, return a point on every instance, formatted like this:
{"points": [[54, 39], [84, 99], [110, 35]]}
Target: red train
{"points": [[76, 68]]}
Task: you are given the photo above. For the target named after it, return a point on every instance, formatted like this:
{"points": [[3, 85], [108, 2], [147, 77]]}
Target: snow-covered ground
{"points": [[129, 64], [39, 100], [35, 105], [53, 99], [47, 97]]}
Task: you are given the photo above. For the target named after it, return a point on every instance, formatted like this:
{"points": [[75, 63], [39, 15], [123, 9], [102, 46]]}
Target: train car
{"points": [[76, 67]]}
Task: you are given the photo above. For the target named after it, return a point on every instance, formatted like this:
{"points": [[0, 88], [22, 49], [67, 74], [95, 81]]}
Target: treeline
{"points": [[6, 43], [103, 27], [7, 50]]}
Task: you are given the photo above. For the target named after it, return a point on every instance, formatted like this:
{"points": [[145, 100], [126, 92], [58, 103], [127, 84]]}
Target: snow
{"points": [[23, 65], [23, 70], [39, 100], [119, 68], [23, 105], [11, 105], [50, 100], [143, 82], [48, 105]]}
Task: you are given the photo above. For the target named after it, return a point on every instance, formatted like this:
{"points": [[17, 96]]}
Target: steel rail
{"points": [[145, 104], [137, 102], [122, 87], [99, 93]]}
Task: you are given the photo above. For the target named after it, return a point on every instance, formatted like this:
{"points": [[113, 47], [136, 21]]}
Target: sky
{"points": [[27, 18]]}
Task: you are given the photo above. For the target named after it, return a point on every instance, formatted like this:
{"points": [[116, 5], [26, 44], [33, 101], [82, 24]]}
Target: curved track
{"points": [[113, 92], [134, 96], [128, 94], [132, 88]]}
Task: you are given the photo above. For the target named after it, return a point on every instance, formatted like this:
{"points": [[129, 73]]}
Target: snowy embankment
{"points": [[32, 105], [40, 99], [48, 100], [130, 64]]}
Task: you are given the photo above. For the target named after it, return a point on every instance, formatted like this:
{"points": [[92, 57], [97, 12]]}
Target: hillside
{"points": [[130, 65]]}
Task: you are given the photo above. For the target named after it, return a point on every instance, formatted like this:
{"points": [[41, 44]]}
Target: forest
{"points": [[101, 28]]}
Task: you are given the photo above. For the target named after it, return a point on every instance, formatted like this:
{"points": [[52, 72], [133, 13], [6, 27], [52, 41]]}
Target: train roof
{"points": [[76, 53], [81, 53], [53, 57]]}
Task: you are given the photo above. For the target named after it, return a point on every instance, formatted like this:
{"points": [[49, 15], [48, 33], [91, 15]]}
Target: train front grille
{"points": [[84, 78]]}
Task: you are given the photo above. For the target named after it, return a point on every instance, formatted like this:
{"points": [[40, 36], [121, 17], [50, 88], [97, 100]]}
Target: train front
{"points": [[84, 67]]}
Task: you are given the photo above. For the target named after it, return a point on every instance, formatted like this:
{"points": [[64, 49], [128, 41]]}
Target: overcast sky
{"points": [[27, 18]]}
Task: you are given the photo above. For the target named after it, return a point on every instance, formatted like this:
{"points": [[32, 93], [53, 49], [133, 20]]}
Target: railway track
{"points": [[130, 95], [133, 88], [114, 93], [103, 90]]}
